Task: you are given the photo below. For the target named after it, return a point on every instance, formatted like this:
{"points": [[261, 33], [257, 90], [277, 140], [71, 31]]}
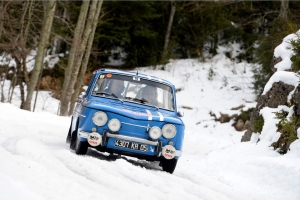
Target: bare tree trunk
{"points": [[38, 88], [85, 61], [12, 86], [64, 103], [26, 32], [81, 49], [2, 82], [43, 42], [19, 81], [22, 91], [1, 17], [168, 33], [25, 72], [284, 9], [27, 6]]}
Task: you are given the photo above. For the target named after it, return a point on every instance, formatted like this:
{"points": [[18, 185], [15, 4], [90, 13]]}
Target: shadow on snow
{"points": [[113, 157]]}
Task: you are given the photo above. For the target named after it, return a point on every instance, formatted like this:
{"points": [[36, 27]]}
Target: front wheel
{"points": [[168, 165], [68, 139], [81, 147], [73, 140]]}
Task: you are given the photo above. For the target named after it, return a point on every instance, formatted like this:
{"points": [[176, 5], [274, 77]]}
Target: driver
{"points": [[150, 94]]}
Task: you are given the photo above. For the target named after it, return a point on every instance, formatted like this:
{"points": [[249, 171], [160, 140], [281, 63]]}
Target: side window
{"points": [[90, 84], [160, 95], [98, 85]]}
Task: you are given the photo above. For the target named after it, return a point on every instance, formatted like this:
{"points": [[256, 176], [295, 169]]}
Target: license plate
{"points": [[131, 145]]}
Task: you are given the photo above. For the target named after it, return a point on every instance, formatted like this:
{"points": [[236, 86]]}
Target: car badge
{"points": [[151, 149], [148, 127]]}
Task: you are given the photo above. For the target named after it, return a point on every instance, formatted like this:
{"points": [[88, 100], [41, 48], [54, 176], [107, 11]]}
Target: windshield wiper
{"points": [[112, 94], [103, 93], [142, 100], [157, 108]]}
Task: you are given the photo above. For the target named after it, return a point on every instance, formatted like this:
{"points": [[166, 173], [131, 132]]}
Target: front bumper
{"points": [[107, 135]]}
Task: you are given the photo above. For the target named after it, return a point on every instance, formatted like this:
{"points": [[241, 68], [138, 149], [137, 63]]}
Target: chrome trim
{"points": [[79, 114], [83, 134], [123, 137], [134, 139], [171, 125], [110, 121], [133, 124], [148, 127]]}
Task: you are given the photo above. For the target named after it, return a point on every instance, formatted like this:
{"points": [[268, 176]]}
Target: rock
{"points": [[276, 96], [239, 125], [224, 118], [187, 107], [238, 108], [274, 62], [246, 125], [296, 101]]}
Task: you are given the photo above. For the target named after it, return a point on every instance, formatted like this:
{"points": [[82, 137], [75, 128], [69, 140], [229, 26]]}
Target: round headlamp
{"points": [[114, 125], [169, 131], [155, 132], [100, 118]]}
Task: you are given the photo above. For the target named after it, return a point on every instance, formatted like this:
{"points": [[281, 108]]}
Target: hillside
{"points": [[36, 163]]}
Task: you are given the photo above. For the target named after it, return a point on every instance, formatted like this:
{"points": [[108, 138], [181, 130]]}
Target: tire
{"points": [[68, 139], [81, 147], [73, 140], [73, 137], [168, 165]]}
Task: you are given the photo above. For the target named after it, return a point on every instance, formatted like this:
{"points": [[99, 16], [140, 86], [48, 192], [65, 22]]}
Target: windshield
{"points": [[134, 89]]}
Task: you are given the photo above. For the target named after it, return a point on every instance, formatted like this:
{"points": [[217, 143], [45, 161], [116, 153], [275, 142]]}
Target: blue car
{"points": [[131, 114]]}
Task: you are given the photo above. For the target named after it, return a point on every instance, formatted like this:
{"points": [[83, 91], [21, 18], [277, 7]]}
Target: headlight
{"points": [[155, 132], [114, 125], [100, 118], [169, 131]]}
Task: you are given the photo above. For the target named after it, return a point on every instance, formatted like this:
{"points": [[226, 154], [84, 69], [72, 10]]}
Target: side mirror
{"points": [[81, 95], [179, 114]]}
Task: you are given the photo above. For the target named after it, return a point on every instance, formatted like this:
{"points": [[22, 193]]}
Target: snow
{"points": [[284, 50], [36, 163], [50, 59], [269, 129]]}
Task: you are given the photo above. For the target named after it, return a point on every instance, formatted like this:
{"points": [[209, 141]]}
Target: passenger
{"points": [[116, 87]]}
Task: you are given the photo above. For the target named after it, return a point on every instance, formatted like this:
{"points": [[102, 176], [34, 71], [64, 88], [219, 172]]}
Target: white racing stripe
{"points": [[161, 117], [150, 115]]}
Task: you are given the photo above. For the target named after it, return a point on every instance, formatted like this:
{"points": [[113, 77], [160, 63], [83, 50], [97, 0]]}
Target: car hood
{"points": [[138, 112]]}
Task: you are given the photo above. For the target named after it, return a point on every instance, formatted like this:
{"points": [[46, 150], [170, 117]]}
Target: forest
{"points": [[82, 36]]}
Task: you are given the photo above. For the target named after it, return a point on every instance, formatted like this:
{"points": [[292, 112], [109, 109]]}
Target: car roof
{"points": [[131, 73]]}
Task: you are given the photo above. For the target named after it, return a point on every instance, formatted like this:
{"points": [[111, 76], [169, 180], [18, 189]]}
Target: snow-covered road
{"points": [[36, 163]]}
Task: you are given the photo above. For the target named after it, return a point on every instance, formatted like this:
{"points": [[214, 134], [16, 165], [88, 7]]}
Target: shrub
{"points": [[296, 57], [288, 130], [258, 124]]}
